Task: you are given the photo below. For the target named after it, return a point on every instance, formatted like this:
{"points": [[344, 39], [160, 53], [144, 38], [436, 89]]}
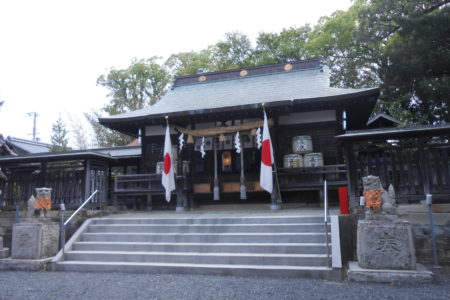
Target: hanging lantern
{"points": [[190, 139], [222, 138], [253, 132]]}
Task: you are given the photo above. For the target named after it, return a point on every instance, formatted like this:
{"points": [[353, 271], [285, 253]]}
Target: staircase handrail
{"points": [[80, 208], [64, 224]]}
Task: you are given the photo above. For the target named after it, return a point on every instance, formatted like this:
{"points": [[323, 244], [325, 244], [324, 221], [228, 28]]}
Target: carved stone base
{"points": [[385, 244], [35, 240], [419, 275]]}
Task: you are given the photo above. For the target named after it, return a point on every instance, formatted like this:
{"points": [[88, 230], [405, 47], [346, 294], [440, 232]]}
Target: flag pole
{"points": [[275, 170]]}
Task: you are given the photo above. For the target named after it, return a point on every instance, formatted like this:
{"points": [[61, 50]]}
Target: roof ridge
{"points": [[202, 78]]}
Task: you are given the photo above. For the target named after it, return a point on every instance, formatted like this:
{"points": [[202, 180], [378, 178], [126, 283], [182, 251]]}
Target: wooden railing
{"points": [[137, 183], [297, 179]]}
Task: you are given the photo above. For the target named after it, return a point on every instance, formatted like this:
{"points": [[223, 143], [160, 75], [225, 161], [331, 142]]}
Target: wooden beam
{"points": [[352, 177]]}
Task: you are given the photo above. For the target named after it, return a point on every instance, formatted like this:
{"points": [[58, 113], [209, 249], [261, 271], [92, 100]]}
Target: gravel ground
{"points": [[67, 285]]}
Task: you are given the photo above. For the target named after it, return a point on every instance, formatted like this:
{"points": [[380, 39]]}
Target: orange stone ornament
{"points": [[373, 198], [43, 199], [43, 203]]}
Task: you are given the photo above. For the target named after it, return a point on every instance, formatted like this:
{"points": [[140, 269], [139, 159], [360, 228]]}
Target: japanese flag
{"points": [[168, 179], [265, 177]]}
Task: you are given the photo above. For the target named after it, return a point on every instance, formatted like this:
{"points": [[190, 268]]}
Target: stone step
{"points": [[207, 269], [305, 248], [215, 220], [200, 258], [205, 228], [242, 237]]}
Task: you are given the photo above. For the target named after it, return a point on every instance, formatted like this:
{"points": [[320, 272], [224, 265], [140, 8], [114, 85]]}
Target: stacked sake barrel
{"points": [[303, 155]]}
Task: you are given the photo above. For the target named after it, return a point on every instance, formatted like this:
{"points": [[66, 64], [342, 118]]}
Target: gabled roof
{"points": [[294, 82], [4, 148], [382, 120], [27, 146]]}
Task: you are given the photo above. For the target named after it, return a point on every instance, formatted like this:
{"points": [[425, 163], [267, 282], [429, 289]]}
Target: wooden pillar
{"points": [[44, 174], [190, 148], [87, 179], [179, 183], [190, 182], [424, 166], [276, 194], [141, 164], [352, 177]]}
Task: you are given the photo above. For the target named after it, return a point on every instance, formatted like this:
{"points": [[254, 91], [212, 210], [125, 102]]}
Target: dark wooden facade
{"points": [[72, 177], [197, 186], [415, 160]]}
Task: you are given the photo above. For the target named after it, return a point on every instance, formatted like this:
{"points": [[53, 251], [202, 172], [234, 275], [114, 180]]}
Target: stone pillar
{"points": [[4, 252]]}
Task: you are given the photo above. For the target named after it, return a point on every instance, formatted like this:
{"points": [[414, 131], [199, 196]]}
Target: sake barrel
{"points": [[302, 144], [293, 161], [313, 160]]}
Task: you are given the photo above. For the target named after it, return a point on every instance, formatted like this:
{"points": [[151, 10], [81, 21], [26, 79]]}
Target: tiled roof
{"points": [[27, 145], [118, 152], [300, 84], [101, 153]]}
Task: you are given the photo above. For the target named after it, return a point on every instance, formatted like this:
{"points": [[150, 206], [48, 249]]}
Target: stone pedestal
{"points": [[35, 240], [385, 244]]}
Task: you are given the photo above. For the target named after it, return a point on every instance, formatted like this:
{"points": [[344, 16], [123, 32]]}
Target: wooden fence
{"points": [[412, 166], [70, 182]]}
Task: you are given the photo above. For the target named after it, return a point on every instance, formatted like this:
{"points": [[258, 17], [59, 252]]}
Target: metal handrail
{"points": [[81, 207], [64, 224], [326, 214]]}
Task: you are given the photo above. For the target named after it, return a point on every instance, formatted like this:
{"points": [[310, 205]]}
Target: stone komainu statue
{"points": [[377, 197]]}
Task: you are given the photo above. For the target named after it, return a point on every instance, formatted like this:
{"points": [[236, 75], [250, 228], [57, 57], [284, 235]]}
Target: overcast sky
{"points": [[51, 52]]}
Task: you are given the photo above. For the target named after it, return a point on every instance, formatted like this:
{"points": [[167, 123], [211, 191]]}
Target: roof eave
{"points": [[371, 134], [105, 121], [55, 156]]}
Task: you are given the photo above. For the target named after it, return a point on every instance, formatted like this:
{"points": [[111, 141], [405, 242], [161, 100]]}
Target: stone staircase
{"points": [[282, 246]]}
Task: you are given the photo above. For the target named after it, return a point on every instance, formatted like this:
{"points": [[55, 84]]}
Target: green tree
{"points": [[105, 137], [59, 138], [288, 45], [352, 64], [142, 84], [414, 46], [188, 63], [235, 51]]}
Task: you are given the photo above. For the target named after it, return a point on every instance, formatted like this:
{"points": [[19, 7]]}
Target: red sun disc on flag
{"points": [[167, 163], [266, 156]]}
